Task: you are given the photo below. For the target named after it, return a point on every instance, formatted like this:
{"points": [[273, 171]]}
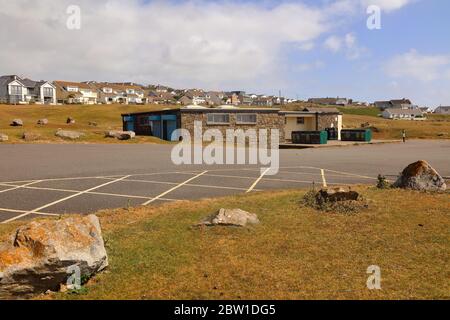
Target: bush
{"points": [[382, 182]]}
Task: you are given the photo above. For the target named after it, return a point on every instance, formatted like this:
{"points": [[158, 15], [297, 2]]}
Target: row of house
{"points": [[16, 90]]}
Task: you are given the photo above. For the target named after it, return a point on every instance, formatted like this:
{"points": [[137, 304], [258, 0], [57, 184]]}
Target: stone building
{"points": [[162, 124]]}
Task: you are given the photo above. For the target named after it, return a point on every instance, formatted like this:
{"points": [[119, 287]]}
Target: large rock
{"points": [[3, 137], [17, 123], [71, 135], [42, 122], [31, 136], [420, 176], [120, 135], [230, 217], [39, 255]]}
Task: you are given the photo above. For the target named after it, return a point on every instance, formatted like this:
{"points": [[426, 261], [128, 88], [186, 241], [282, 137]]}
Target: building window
{"points": [[246, 118], [218, 118], [48, 92], [301, 120], [16, 90]]}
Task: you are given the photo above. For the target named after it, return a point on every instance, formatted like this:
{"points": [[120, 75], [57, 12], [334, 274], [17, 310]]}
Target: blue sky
{"points": [[303, 48]]}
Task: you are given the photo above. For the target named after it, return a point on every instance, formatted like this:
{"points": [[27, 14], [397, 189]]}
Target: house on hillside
{"points": [[442, 110], [123, 93], [395, 104], [16, 90], [403, 114], [75, 92], [331, 101]]}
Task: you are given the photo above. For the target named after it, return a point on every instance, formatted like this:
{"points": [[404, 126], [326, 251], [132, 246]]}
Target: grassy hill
{"points": [[295, 253], [107, 117]]}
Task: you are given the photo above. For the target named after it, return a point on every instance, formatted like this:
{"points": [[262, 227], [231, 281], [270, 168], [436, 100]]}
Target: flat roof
{"points": [[208, 110]]}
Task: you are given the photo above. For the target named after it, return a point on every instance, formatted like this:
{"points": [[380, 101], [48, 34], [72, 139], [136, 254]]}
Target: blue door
{"points": [[129, 123]]}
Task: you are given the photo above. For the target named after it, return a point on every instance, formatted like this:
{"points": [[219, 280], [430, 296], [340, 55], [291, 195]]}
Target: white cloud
{"points": [[386, 5], [419, 67], [190, 43], [348, 43], [333, 43]]}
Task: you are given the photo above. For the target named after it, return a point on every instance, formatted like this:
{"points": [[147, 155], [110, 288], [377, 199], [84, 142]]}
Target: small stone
{"points": [[3, 137], [230, 217], [70, 120], [120, 135], [17, 123], [42, 122]]}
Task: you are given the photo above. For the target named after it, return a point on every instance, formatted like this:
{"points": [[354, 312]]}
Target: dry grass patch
{"points": [[295, 253], [433, 128], [107, 117]]}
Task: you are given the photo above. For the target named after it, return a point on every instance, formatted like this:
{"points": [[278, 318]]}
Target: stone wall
{"points": [[267, 121], [328, 121]]}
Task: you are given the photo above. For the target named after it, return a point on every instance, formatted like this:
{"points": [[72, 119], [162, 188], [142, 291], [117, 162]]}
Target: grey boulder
{"points": [[3, 137], [71, 135], [17, 123], [42, 255], [422, 177], [120, 135], [230, 217], [42, 122], [31, 136]]}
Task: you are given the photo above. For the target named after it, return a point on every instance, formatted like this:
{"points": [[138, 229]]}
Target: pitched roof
{"points": [[401, 101], [321, 110], [66, 84], [413, 112]]}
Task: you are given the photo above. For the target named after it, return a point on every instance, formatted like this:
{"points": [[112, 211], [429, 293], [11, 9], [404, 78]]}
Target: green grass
{"points": [[295, 253], [372, 112], [392, 129], [108, 117]]}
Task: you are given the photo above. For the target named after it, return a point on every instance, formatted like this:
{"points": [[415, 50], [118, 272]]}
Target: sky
{"points": [[307, 48]]}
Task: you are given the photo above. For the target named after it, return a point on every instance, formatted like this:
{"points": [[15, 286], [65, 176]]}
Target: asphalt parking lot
{"points": [[21, 200], [50, 180]]}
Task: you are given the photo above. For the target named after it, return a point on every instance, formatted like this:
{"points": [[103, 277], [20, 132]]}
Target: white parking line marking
{"points": [[258, 180], [23, 211], [64, 199], [324, 180], [20, 187], [173, 189]]}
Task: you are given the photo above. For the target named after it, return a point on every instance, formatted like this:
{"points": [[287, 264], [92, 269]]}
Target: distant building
{"points": [[75, 92], [163, 123], [403, 114], [16, 90], [331, 101], [442, 110], [395, 104]]}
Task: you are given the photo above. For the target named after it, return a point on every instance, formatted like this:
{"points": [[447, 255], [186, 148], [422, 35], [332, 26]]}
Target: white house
{"points": [[76, 92], [16, 90], [403, 114], [442, 110]]}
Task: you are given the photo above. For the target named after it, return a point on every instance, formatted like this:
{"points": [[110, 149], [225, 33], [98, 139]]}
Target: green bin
{"points": [[363, 135], [310, 137]]}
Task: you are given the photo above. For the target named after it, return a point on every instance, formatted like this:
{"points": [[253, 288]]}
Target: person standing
{"points": [[404, 136]]}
